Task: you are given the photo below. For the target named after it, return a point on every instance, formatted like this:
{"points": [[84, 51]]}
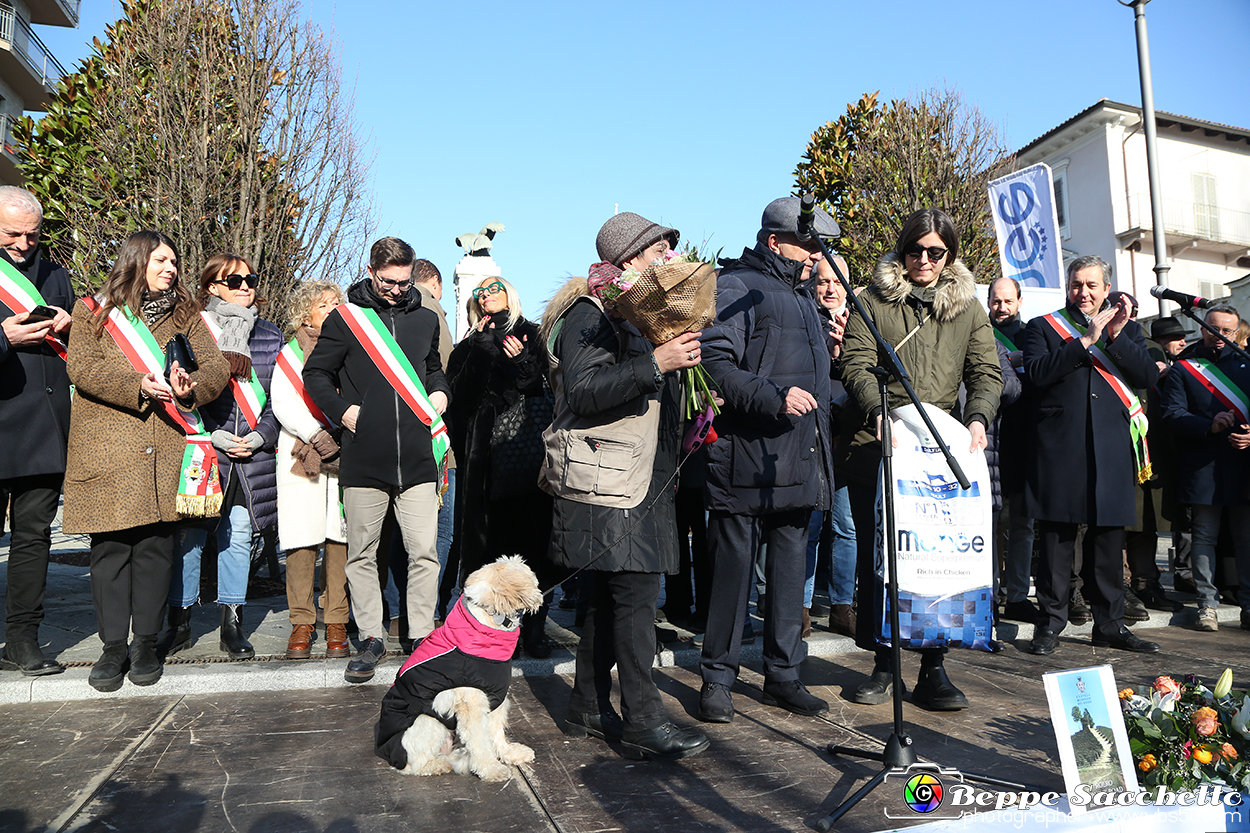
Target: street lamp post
{"points": [[1161, 267]]}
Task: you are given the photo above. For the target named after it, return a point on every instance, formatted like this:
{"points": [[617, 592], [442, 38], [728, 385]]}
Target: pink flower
{"points": [[1205, 721], [1167, 685]]}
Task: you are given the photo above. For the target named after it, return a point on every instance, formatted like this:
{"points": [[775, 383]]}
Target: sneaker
{"points": [[1207, 619], [1134, 610], [1078, 611], [362, 666]]}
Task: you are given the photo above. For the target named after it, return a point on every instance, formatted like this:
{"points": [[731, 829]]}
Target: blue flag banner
{"points": [[1027, 227]]}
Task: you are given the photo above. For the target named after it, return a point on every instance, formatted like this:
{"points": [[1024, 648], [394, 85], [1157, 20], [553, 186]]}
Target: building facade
{"points": [[29, 72], [1102, 195]]}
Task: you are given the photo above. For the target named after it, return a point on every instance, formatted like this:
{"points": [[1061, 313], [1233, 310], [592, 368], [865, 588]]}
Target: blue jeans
{"points": [[446, 522], [842, 570], [234, 560], [1206, 532]]}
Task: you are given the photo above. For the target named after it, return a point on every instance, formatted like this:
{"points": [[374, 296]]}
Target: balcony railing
{"points": [[1186, 220], [29, 48]]}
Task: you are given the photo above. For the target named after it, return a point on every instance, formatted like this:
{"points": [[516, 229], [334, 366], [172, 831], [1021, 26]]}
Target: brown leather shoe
{"points": [[299, 645], [842, 619], [336, 641], [807, 623]]}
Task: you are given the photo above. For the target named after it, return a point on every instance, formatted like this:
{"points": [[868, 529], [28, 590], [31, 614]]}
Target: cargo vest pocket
{"points": [[598, 465]]}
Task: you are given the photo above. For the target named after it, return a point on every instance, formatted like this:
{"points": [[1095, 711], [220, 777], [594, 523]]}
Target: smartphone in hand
{"points": [[40, 313]]}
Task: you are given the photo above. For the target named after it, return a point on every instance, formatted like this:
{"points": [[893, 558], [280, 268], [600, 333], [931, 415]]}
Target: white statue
{"points": [[475, 266]]}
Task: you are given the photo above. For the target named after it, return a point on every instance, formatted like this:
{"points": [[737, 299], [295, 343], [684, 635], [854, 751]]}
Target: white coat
{"points": [[300, 524]]}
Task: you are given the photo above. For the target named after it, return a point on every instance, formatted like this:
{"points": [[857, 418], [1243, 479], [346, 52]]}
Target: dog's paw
{"points": [[495, 772], [516, 754], [435, 766]]}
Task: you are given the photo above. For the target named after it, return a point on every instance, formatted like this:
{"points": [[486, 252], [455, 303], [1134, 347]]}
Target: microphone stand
{"points": [[899, 752]]}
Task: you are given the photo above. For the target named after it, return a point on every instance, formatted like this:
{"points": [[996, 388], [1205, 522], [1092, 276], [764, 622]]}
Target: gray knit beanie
{"points": [[626, 234]]}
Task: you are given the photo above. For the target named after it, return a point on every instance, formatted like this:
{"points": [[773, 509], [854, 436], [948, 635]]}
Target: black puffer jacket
{"points": [[607, 371], [391, 446], [1012, 387], [486, 383], [768, 337], [34, 387], [259, 474]]}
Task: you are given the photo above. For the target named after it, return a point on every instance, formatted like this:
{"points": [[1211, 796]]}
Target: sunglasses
{"points": [[936, 253], [237, 281], [490, 289]]}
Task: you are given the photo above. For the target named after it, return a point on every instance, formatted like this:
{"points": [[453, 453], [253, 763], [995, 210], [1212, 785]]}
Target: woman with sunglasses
{"points": [[500, 406], [245, 435], [127, 441], [923, 301]]}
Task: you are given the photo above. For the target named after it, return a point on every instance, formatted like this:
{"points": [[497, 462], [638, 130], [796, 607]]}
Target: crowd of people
{"points": [[195, 426]]}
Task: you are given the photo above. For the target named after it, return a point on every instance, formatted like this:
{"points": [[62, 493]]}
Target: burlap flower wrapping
{"points": [[670, 299]]}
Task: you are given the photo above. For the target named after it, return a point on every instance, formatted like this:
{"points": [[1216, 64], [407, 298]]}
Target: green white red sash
{"points": [[250, 395], [1067, 328], [291, 364], [1220, 386], [199, 486], [390, 360], [20, 295], [1006, 342]]}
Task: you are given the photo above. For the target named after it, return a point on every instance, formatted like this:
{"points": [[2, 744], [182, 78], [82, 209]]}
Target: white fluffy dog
{"points": [[448, 708]]}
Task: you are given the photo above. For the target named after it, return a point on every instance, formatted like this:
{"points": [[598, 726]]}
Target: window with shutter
{"points": [[1206, 210]]}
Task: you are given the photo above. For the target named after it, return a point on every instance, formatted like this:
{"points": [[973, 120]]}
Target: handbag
{"points": [[178, 349], [516, 445]]}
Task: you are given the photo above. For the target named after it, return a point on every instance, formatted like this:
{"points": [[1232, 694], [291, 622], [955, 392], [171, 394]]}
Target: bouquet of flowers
{"points": [[676, 294], [1183, 734]]}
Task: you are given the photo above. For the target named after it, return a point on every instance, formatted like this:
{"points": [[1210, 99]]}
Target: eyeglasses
{"points": [[237, 281], [490, 289], [1226, 331], [936, 253], [388, 284]]}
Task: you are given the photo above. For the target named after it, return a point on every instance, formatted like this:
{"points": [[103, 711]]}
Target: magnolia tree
{"points": [[219, 122], [875, 165]]}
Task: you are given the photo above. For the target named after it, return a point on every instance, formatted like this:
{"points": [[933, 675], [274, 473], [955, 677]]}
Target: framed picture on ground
{"points": [[1089, 726]]}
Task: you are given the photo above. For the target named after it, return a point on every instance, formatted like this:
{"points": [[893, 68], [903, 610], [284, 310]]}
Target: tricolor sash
{"points": [[1220, 386], [250, 395], [21, 296], [199, 486], [291, 363], [1006, 342], [390, 360], [1067, 328]]}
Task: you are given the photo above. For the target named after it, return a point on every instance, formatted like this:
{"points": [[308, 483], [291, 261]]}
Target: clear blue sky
{"points": [[547, 116]]}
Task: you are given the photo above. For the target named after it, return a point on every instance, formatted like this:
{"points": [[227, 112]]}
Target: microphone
{"points": [[1188, 301], [807, 218]]}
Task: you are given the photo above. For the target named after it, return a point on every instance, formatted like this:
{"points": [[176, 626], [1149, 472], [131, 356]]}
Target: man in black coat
{"points": [[388, 454], [773, 462], [1083, 362], [34, 413]]}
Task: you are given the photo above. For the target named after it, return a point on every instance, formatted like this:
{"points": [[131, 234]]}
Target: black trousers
{"points": [[130, 573], [733, 541], [620, 630], [679, 594], [34, 508], [1102, 574]]}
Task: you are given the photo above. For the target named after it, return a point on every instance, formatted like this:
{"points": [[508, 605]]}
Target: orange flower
{"points": [[1147, 763], [1126, 693], [1206, 721], [1228, 752], [1202, 755]]}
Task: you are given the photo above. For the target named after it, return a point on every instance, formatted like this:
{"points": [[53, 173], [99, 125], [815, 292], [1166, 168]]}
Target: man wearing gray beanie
{"points": [[773, 463]]}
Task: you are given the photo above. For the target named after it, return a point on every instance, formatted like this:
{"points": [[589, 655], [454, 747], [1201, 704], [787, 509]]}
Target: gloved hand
{"points": [[325, 445]]}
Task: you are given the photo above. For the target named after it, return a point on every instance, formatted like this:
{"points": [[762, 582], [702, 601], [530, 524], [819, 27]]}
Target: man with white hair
{"points": [[34, 418]]}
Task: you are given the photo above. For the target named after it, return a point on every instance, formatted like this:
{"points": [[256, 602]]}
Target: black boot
{"points": [[232, 640], [880, 686], [110, 668], [145, 665], [533, 634], [177, 636], [934, 690]]}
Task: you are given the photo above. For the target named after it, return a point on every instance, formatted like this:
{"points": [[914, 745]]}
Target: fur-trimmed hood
{"points": [[573, 289], [956, 286]]}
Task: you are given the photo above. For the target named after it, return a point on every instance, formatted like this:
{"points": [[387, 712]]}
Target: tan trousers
{"points": [[416, 513], [301, 568]]}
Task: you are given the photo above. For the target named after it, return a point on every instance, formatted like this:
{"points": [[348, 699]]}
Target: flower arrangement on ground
{"points": [[1183, 734]]}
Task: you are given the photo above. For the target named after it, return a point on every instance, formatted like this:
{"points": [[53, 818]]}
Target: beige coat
{"points": [[125, 454]]}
